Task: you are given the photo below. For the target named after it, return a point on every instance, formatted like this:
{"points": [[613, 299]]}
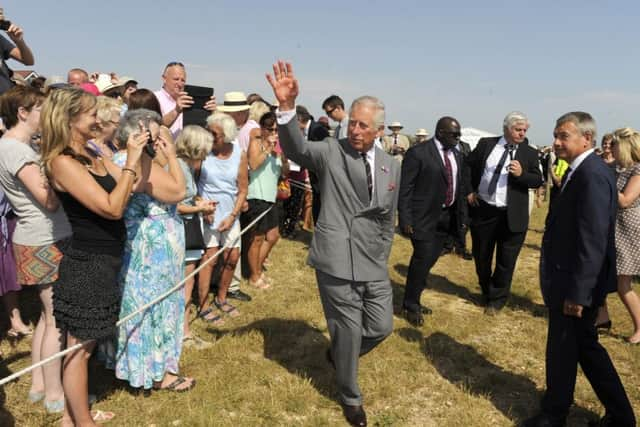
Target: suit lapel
{"points": [[433, 151], [355, 170], [489, 148], [381, 175]]}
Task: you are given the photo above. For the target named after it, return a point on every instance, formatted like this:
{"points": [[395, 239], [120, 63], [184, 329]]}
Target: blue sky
{"points": [[475, 60]]}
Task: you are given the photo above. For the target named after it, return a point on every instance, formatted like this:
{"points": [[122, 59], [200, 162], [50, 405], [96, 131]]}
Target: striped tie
{"points": [[367, 169]]}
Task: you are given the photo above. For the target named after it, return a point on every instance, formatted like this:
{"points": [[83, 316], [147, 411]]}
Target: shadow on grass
{"points": [[512, 394], [297, 347], [6, 418], [443, 285]]}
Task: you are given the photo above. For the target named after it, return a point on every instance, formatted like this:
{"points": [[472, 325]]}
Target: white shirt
{"points": [[499, 199], [575, 165], [284, 117], [342, 128], [452, 160]]}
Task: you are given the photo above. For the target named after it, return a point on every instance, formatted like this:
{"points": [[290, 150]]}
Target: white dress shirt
{"points": [[575, 164], [452, 160], [499, 199]]}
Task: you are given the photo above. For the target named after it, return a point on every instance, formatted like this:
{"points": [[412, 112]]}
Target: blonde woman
{"points": [[625, 146], [192, 146], [94, 193], [107, 121]]}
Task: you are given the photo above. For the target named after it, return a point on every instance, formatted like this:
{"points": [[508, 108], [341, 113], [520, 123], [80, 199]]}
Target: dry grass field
{"points": [[267, 367]]}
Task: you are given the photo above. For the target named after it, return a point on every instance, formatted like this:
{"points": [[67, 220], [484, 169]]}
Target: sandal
{"points": [[266, 279], [196, 342], [226, 308], [259, 284], [175, 384], [102, 416], [216, 320]]}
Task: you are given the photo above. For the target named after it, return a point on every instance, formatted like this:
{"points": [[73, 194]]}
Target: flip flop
{"points": [[177, 383], [226, 308], [215, 320], [259, 284], [102, 416]]}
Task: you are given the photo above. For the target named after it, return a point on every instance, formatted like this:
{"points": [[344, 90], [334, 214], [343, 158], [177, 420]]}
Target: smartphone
{"points": [[150, 150], [4, 25]]}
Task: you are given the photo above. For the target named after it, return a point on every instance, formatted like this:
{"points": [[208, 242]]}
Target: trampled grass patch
{"points": [[268, 368]]}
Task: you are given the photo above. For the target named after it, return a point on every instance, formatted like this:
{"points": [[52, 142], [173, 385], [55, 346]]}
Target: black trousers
{"points": [[573, 340], [490, 233], [425, 254]]}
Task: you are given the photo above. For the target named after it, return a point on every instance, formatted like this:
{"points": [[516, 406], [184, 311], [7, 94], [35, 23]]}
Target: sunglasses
{"points": [[174, 63]]}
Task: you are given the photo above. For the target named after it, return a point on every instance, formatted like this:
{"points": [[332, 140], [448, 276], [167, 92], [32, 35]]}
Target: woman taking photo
{"points": [[150, 344], [223, 179], [39, 235], [94, 193]]}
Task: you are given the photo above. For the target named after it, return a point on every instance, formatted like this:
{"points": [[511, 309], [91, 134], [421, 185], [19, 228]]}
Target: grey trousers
{"points": [[359, 317]]}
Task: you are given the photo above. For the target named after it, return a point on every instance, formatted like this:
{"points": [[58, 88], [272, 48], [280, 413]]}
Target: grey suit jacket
{"points": [[352, 239]]}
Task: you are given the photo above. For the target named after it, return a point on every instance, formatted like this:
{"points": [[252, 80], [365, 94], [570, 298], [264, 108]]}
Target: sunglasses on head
{"points": [[173, 63]]}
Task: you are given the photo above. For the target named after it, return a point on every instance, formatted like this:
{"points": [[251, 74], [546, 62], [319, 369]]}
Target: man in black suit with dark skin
{"points": [[501, 172], [430, 207], [577, 270], [457, 243]]}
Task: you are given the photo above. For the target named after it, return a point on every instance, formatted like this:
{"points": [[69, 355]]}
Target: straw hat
{"points": [[234, 101], [395, 125], [422, 132], [104, 83]]}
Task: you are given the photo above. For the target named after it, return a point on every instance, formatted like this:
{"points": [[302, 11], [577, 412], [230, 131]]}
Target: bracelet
{"points": [[135, 174]]}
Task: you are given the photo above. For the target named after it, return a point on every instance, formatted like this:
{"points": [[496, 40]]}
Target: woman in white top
{"points": [[40, 232]]}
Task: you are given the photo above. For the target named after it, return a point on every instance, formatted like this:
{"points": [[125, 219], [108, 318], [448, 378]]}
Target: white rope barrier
{"points": [[139, 310], [299, 184]]}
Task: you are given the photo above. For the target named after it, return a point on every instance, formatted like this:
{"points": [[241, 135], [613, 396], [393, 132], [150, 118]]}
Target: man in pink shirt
{"points": [[173, 99]]}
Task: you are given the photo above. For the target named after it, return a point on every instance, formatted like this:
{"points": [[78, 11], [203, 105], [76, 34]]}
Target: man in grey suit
{"points": [[352, 240]]}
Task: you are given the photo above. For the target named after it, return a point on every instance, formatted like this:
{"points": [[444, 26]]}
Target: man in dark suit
{"points": [[458, 242], [312, 131], [430, 207], [352, 240], [502, 170], [577, 270]]}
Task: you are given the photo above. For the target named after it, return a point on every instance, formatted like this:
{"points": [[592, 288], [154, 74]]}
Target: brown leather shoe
{"points": [[355, 415]]}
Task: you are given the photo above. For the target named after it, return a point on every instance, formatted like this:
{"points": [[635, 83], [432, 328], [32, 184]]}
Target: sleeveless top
{"points": [[219, 181], [91, 232], [263, 182]]}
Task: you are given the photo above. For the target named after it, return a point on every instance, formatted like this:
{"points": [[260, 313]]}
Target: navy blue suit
{"points": [[578, 265]]}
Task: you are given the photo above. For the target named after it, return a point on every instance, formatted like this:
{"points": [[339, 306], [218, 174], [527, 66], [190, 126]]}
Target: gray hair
{"points": [[583, 121], [372, 102], [514, 117], [130, 123], [194, 143], [227, 124]]}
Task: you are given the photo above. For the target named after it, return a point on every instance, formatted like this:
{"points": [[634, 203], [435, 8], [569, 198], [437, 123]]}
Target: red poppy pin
{"points": [[392, 186]]}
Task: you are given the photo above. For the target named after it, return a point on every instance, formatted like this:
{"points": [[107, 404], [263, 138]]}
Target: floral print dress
{"points": [[149, 345]]}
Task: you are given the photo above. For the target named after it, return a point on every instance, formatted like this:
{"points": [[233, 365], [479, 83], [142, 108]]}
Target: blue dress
{"points": [[149, 345]]}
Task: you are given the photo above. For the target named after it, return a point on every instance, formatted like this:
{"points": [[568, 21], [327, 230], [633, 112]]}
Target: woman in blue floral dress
{"points": [[149, 345]]}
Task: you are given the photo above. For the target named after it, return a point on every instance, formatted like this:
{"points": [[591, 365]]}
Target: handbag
{"points": [[284, 189], [193, 238]]}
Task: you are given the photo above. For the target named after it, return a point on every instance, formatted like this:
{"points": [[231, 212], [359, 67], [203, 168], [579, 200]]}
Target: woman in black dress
{"points": [[94, 193]]}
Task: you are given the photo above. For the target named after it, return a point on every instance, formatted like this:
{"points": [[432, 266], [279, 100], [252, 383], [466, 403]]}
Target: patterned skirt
{"points": [[38, 265]]}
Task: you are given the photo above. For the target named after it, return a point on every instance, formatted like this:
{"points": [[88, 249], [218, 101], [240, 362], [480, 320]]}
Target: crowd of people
{"points": [[111, 197]]}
